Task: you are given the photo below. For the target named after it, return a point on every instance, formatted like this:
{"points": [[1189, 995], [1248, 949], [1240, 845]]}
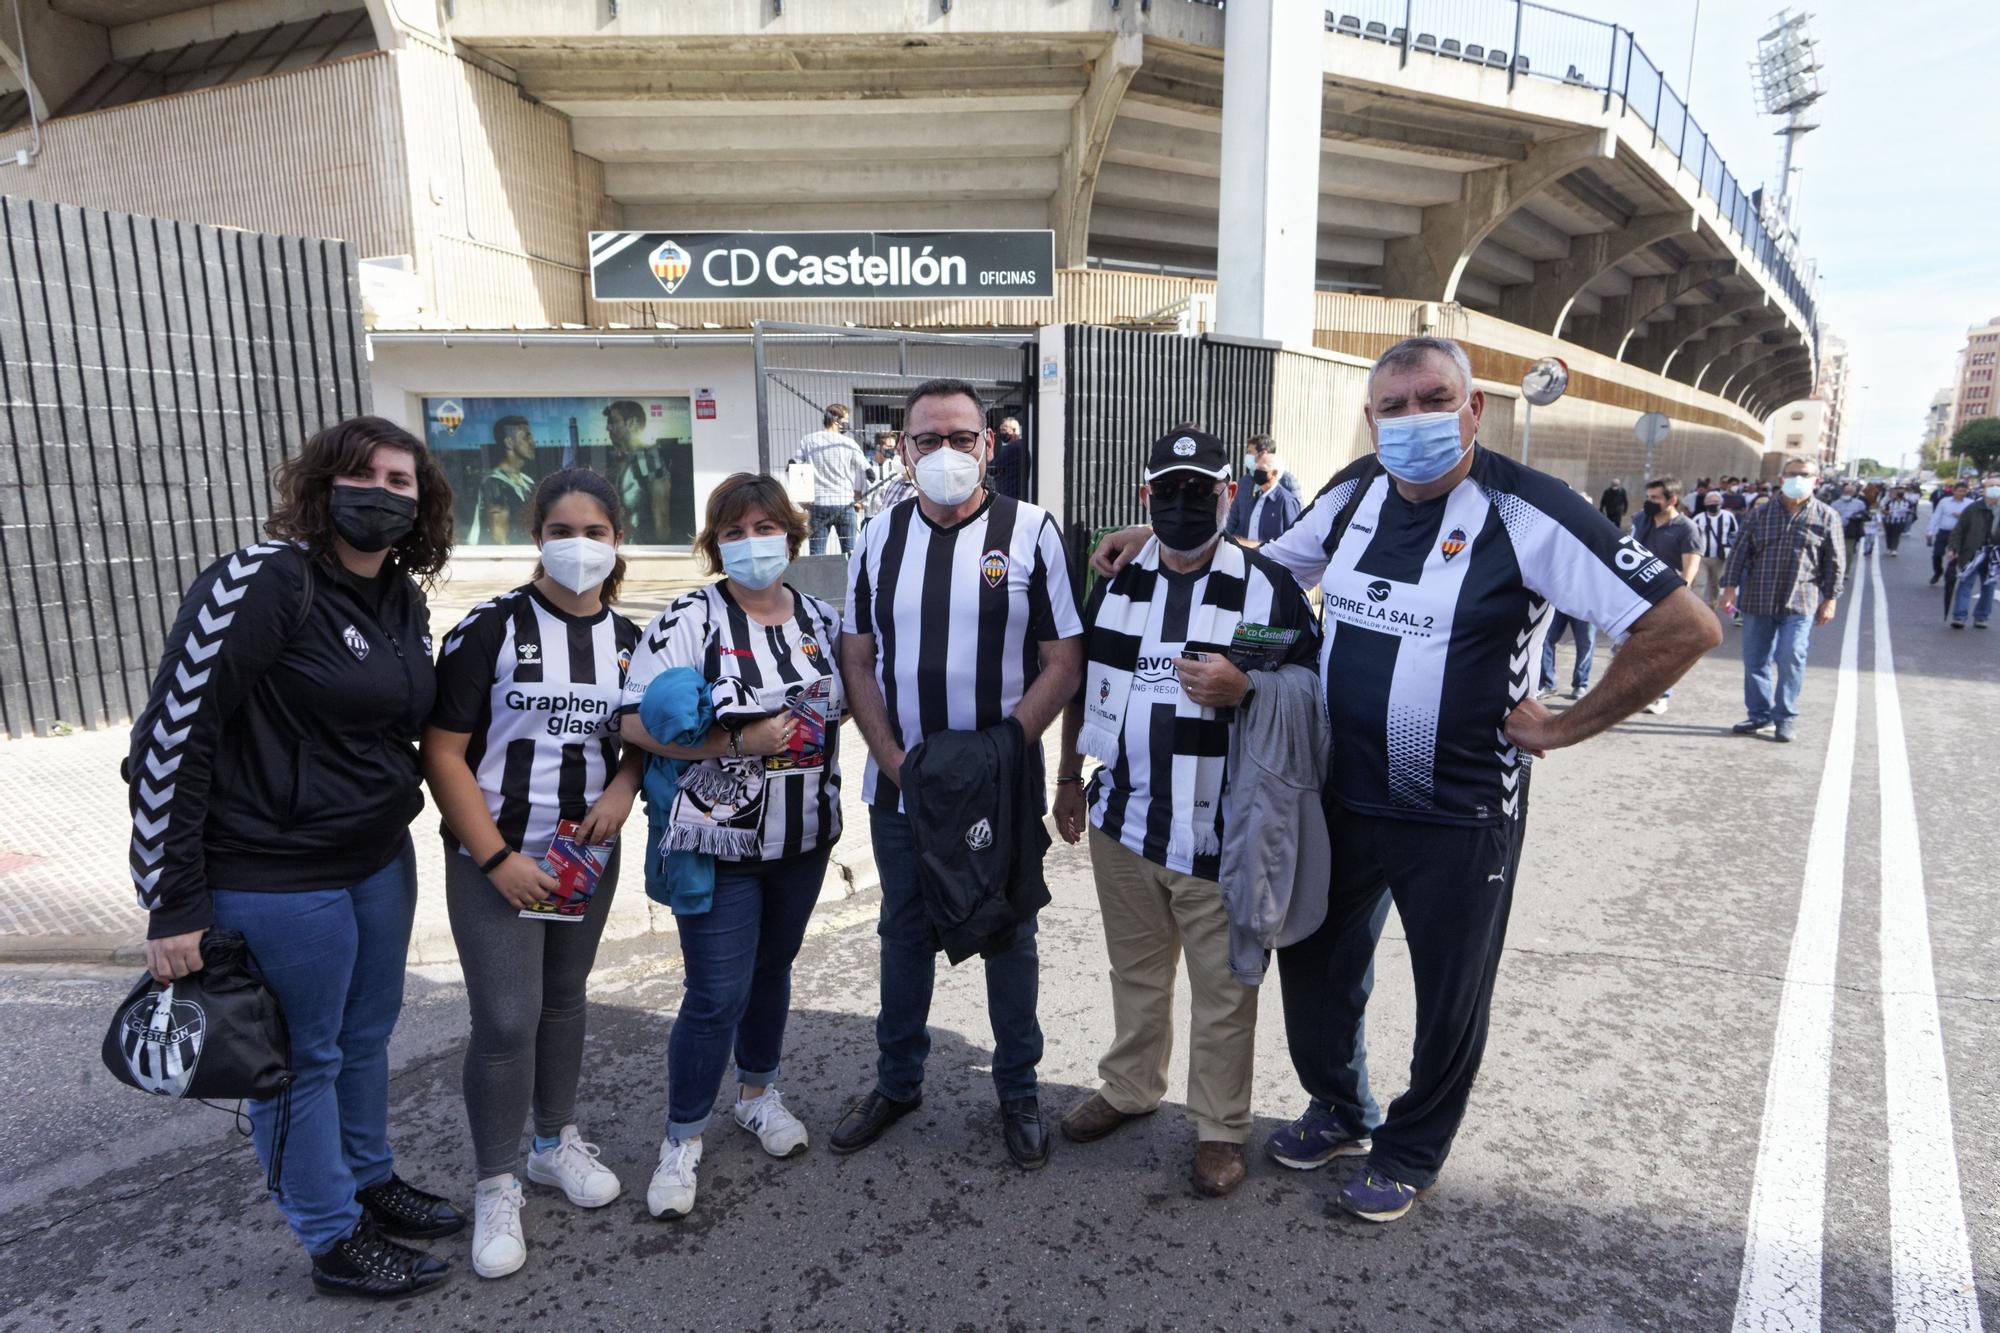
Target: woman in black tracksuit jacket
{"points": [[273, 780]]}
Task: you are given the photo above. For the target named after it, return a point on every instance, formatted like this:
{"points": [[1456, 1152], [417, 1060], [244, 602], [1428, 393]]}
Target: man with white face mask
{"points": [[1166, 643], [1788, 566], [1439, 562], [960, 616]]}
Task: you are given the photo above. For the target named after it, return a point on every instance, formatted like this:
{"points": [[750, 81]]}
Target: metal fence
{"points": [[151, 375], [1531, 41], [1124, 389]]}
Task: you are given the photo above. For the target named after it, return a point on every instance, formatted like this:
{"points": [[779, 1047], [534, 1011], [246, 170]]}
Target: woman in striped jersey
{"points": [[763, 797], [524, 737]]}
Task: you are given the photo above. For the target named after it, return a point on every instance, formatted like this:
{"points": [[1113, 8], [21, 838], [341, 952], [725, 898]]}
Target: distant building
{"points": [[1937, 422], [1974, 397], [1832, 391]]}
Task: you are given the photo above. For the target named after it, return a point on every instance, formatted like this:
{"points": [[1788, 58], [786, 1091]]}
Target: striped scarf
{"points": [[1128, 616]]}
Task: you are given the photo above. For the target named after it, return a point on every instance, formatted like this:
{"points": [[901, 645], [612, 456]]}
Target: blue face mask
{"points": [[1419, 448], [757, 562]]}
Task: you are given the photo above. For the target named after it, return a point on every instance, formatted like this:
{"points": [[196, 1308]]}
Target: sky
{"points": [[1899, 196]]}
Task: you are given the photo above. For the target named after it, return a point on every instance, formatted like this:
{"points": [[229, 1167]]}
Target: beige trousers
{"points": [[1151, 917]]}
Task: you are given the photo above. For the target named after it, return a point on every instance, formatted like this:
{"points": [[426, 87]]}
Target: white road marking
{"points": [[1930, 1255], [1780, 1288]]}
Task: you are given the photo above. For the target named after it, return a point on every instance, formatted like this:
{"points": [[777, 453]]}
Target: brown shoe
{"points": [[1218, 1168], [1093, 1118]]}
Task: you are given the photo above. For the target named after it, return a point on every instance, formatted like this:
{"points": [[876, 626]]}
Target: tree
{"points": [[1978, 442]]}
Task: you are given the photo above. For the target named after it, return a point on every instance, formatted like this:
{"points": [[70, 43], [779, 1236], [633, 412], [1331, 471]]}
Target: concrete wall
{"points": [[313, 152]]}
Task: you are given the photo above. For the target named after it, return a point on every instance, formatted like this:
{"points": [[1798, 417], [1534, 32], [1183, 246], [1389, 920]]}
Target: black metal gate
{"points": [[1124, 389], [153, 373], [802, 368]]}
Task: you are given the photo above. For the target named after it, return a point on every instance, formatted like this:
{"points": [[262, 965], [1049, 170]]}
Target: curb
{"points": [[850, 873]]}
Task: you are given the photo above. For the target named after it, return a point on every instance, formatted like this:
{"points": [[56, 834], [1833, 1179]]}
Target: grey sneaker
{"points": [[1785, 729]]}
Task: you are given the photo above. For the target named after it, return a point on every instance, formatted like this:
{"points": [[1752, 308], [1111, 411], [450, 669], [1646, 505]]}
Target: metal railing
{"points": [[1533, 41]]}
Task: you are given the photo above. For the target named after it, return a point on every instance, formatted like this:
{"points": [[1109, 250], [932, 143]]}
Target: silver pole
{"points": [[763, 398], [1527, 429]]}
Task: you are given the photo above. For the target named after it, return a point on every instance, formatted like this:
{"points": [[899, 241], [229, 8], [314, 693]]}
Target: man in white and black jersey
{"points": [[1439, 563], [960, 615], [1167, 641]]}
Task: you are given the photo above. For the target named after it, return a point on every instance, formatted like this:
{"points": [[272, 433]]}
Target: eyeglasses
{"points": [[965, 441], [1194, 488]]}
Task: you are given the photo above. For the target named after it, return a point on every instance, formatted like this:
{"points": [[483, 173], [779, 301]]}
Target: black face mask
{"points": [[372, 518], [1653, 508], [1261, 475], [1184, 522]]}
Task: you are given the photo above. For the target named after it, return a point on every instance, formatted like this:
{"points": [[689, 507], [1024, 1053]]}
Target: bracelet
{"points": [[495, 859], [1062, 781]]}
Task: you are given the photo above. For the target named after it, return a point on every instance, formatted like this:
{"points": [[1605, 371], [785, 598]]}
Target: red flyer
{"points": [[576, 866]]}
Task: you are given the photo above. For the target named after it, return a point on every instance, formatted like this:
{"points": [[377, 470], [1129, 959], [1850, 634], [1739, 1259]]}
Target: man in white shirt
{"points": [[840, 478]]}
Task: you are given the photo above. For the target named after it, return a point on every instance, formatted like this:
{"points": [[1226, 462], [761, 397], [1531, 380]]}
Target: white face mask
{"points": [[947, 477], [578, 563], [1797, 488], [1993, 494]]}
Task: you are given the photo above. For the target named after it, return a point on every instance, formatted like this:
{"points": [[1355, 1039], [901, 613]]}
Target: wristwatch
{"points": [[735, 741]]}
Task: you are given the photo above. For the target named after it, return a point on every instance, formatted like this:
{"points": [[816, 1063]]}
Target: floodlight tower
{"points": [[1786, 76]]}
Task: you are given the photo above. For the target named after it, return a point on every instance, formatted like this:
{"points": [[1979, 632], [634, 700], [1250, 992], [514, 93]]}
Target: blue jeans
{"points": [[909, 973], [738, 959], [1774, 648], [838, 517], [1976, 579], [1584, 635], [334, 958]]}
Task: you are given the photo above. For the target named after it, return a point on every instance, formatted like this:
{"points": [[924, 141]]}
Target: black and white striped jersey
{"points": [[538, 691], [1132, 799], [1715, 529], [777, 666], [1433, 613], [958, 615]]}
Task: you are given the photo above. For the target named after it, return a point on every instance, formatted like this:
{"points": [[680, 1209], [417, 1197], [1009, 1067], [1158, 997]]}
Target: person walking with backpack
{"points": [[274, 778], [522, 753]]}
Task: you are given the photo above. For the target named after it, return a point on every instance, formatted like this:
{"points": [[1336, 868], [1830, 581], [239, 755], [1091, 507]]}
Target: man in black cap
{"points": [[1166, 642]]}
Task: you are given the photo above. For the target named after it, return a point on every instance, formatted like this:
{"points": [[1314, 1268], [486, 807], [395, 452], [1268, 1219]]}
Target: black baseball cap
{"points": [[1187, 451]]}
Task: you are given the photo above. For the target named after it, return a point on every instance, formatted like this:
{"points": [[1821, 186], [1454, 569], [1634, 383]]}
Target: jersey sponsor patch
{"points": [[528, 652], [357, 643]]}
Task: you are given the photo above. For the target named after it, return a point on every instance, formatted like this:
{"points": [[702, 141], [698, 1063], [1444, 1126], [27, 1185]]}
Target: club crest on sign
{"points": [[993, 566], [1453, 544], [669, 264]]}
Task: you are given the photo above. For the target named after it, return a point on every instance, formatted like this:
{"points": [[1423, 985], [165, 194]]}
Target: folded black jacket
{"points": [[974, 801], [278, 748]]}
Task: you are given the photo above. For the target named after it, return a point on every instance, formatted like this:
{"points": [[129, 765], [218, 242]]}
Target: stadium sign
{"points": [[820, 265]]}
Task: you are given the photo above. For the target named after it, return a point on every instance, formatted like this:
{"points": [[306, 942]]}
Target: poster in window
{"points": [[495, 450]]}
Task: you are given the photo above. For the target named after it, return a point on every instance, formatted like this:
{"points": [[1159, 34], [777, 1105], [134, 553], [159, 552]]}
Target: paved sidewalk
{"points": [[65, 892]]}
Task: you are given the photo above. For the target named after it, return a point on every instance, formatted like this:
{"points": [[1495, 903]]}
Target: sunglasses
{"points": [[1192, 488]]}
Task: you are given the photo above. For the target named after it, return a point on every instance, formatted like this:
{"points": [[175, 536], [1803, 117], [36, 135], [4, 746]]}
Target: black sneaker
{"points": [[401, 1209], [1750, 726], [367, 1263]]}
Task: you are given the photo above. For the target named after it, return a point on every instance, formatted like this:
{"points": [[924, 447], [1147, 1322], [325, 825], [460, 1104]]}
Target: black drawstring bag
{"points": [[219, 1033]]}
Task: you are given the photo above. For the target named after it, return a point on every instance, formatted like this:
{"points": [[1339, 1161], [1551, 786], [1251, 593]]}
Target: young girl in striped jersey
{"points": [[524, 736], [762, 797]]}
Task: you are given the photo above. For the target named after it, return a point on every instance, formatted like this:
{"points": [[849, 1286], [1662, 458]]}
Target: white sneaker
{"points": [[572, 1167], [1578, 691], [498, 1247], [672, 1191], [776, 1128], [1657, 707]]}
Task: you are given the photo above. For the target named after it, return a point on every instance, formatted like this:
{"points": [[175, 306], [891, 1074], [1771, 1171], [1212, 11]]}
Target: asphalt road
{"points": [[1607, 1177]]}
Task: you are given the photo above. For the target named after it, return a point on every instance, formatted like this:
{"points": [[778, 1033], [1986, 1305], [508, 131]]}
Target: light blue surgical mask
{"points": [[1796, 488], [1419, 448], [757, 562]]}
